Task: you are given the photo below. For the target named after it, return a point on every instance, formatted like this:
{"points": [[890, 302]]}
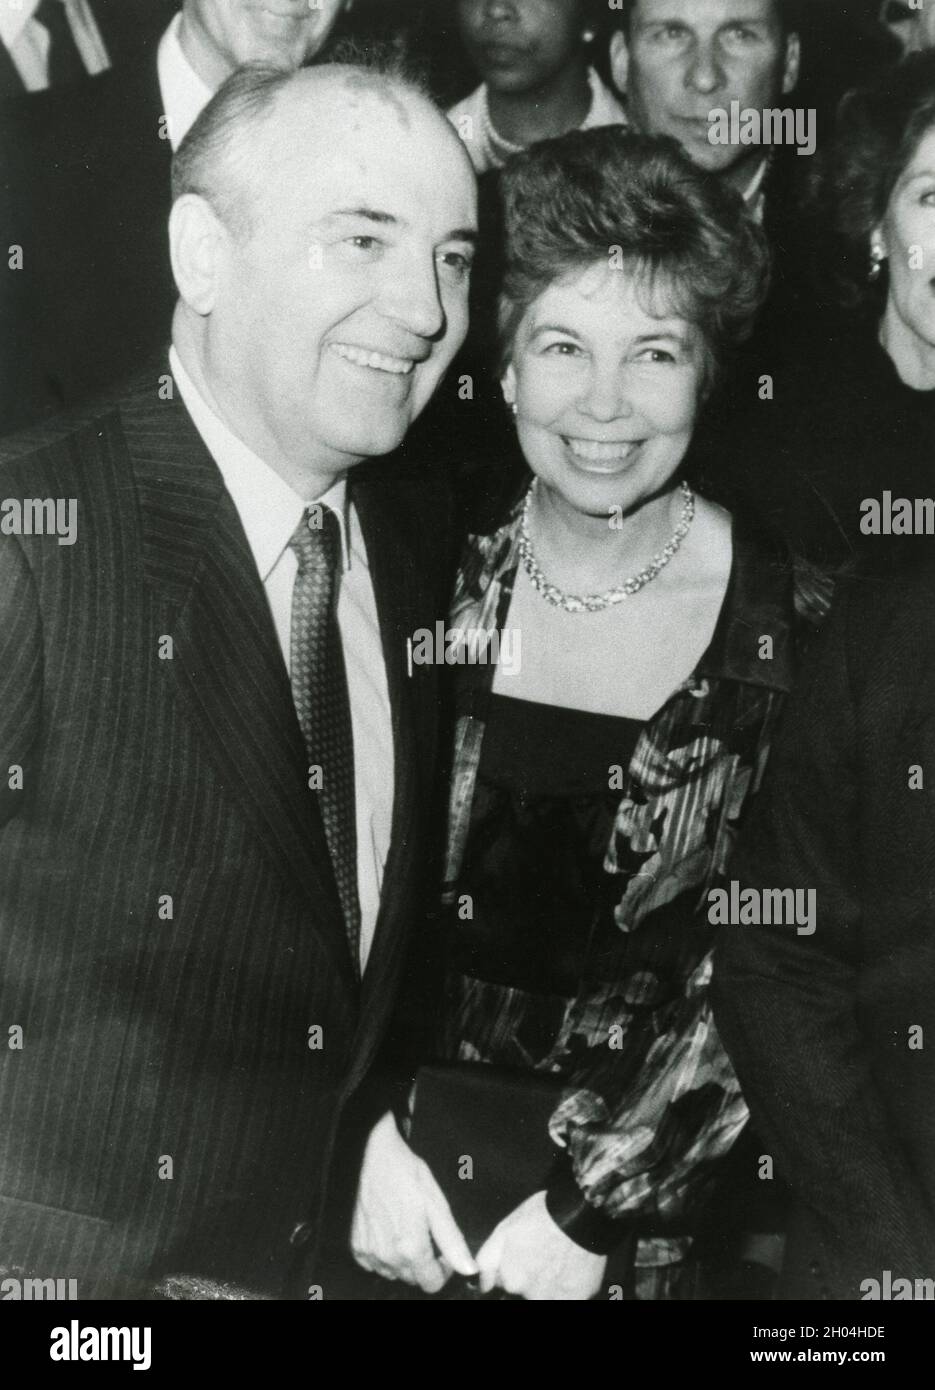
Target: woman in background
{"points": [[846, 410], [599, 779], [537, 79], [911, 25]]}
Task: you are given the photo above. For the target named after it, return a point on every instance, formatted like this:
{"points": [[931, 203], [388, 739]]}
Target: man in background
{"points": [[51, 43], [678, 60], [84, 194]]}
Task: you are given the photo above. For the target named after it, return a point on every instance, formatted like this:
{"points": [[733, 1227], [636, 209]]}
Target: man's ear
{"points": [[790, 77], [619, 60], [196, 240], [508, 385]]}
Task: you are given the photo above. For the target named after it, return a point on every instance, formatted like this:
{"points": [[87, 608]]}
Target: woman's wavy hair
{"points": [[638, 203], [878, 130]]}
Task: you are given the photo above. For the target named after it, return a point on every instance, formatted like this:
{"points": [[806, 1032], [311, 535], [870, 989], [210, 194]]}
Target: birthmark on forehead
{"points": [[365, 84]]}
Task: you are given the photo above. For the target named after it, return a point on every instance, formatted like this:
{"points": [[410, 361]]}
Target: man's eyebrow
{"points": [[389, 219], [663, 18], [684, 21], [384, 219]]}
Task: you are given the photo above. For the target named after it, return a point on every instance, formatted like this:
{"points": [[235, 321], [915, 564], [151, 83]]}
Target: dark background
{"points": [[841, 42]]}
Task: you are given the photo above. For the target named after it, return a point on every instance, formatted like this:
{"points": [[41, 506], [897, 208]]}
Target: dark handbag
{"points": [[484, 1132]]}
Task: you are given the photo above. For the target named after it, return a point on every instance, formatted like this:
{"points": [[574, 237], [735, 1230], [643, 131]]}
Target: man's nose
{"points": [[607, 396], [916, 43], [499, 11], [705, 71], [412, 297]]}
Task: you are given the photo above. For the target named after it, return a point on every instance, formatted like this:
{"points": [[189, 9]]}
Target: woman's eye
{"points": [[657, 356], [562, 349], [363, 242], [928, 199]]}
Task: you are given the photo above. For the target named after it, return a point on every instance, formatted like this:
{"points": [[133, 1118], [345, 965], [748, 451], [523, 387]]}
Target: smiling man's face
{"points": [[339, 310], [219, 35]]}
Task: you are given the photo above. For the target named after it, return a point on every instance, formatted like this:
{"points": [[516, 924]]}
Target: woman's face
{"points": [[907, 237], [520, 45], [606, 392], [912, 27]]}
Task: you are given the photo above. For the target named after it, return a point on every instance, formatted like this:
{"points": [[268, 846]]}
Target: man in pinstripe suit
{"points": [[196, 970]]}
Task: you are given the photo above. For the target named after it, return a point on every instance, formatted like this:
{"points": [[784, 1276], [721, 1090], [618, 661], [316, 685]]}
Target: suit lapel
{"points": [[11, 84], [227, 666]]}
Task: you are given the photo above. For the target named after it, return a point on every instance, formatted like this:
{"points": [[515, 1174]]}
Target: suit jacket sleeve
{"points": [[20, 677], [785, 1003]]}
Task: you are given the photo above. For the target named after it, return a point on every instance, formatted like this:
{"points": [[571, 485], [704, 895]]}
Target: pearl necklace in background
{"points": [[597, 603], [496, 148]]}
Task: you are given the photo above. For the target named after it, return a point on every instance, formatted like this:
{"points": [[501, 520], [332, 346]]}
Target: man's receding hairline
{"points": [[233, 179], [385, 86], [786, 21], [390, 88]]}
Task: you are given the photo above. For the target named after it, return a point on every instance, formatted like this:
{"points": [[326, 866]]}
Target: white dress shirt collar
{"points": [[14, 18], [184, 94], [269, 508], [754, 195]]}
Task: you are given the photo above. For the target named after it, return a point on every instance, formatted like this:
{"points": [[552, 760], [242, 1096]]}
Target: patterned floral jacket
{"points": [[650, 1101]]}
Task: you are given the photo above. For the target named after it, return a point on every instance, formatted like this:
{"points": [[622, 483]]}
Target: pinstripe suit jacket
{"points": [[165, 1111]]}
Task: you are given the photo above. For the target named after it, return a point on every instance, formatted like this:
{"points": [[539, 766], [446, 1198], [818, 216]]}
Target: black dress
{"points": [[542, 905], [542, 923]]}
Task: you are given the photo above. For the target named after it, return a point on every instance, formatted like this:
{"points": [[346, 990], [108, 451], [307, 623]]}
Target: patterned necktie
{"points": [[65, 61], [319, 689]]}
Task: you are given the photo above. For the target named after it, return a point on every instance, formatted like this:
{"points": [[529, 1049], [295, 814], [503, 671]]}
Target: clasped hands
{"points": [[403, 1229]]}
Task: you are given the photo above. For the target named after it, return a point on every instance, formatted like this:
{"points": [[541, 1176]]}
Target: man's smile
{"points": [[376, 361]]}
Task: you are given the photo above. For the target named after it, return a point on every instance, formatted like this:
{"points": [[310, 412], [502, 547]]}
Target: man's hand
{"points": [[530, 1256], [400, 1212]]}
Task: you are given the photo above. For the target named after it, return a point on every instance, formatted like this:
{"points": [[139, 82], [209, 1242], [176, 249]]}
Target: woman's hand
{"points": [[530, 1256], [403, 1227]]}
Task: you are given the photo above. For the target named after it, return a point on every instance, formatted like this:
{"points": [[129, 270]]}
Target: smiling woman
{"points": [[911, 24], [854, 408], [598, 785], [881, 189]]}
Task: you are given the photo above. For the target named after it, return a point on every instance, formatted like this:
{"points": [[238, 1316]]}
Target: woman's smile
{"points": [[593, 456]]}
